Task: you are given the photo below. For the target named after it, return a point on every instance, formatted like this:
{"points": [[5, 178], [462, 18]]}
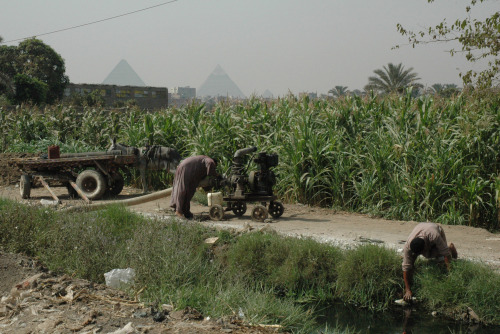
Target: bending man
{"points": [[429, 240], [187, 177]]}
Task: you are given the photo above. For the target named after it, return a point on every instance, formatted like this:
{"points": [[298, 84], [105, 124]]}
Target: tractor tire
{"points": [[92, 183]]}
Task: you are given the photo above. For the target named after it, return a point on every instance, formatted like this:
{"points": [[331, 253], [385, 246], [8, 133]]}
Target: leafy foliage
{"points": [[38, 61], [478, 40], [29, 89]]}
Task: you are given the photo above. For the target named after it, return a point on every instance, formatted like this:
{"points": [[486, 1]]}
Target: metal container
{"points": [[54, 152], [214, 198]]}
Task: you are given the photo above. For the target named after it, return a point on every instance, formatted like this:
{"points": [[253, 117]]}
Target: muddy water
{"points": [[403, 320]]}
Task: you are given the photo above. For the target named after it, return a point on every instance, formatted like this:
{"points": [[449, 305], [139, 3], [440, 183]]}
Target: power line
{"points": [[94, 22]]}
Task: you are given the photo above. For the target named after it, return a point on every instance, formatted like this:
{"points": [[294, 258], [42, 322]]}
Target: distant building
{"points": [[181, 96], [145, 97], [310, 95], [184, 92]]}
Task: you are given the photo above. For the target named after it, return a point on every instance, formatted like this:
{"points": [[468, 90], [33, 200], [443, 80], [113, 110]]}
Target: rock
{"points": [[49, 325], [167, 307], [140, 314], [128, 329], [473, 317], [3, 310], [159, 316]]}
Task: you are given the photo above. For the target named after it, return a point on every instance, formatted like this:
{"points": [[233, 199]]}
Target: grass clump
{"points": [[369, 276], [467, 284], [21, 226], [300, 267], [88, 244]]}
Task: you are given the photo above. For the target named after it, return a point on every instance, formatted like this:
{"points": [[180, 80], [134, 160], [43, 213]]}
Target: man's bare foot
{"points": [[178, 214]]}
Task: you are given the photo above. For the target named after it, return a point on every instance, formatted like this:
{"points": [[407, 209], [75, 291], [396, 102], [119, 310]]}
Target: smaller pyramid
{"points": [[123, 75], [219, 83], [267, 94]]}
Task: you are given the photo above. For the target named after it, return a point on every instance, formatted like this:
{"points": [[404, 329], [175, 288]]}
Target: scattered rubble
{"points": [[49, 303]]}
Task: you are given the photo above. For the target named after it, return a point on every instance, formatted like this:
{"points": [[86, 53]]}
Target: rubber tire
{"points": [[92, 183], [25, 186], [117, 183], [276, 209], [239, 208], [216, 212], [259, 213]]}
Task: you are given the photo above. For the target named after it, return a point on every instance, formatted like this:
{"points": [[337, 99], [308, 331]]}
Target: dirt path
{"points": [[343, 229]]}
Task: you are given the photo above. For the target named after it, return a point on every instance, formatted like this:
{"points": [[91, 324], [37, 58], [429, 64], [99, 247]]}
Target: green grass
{"points": [[269, 278]]}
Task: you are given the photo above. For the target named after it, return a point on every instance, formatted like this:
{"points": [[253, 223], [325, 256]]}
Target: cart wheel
{"points": [[239, 208], [216, 212], [25, 186], [117, 183], [259, 213], [276, 209], [71, 191], [92, 183]]}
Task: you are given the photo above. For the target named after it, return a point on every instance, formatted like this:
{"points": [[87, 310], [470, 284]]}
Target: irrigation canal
{"points": [[403, 320]]}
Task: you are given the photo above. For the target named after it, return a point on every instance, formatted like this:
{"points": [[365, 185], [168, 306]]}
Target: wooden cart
{"points": [[88, 175]]}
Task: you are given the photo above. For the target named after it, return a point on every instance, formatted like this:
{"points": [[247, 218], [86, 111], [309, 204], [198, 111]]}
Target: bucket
{"points": [[54, 152], [214, 198]]}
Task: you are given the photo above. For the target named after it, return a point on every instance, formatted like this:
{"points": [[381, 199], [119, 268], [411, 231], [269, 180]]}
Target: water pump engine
{"points": [[256, 186]]}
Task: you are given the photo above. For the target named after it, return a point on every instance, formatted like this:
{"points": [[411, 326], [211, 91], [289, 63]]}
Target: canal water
{"points": [[402, 320]]}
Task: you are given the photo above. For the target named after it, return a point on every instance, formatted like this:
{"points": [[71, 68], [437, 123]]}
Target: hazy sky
{"points": [[280, 45]]}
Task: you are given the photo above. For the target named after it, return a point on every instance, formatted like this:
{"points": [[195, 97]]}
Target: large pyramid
{"points": [[220, 84], [123, 75]]}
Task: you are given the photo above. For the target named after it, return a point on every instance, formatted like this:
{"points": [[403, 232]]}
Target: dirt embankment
{"points": [[34, 300]]}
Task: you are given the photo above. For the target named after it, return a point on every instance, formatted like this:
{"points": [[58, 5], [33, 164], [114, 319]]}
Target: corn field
{"points": [[397, 157]]}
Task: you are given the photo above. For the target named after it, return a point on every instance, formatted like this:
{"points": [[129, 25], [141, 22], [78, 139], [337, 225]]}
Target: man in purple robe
{"points": [[187, 177]]}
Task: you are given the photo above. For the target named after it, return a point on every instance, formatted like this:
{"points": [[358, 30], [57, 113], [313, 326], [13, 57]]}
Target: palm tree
{"points": [[446, 90], [339, 91], [393, 79]]}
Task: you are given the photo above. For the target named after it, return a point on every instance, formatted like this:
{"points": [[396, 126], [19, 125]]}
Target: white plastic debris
{"points": [[47, 202], [403, 302], [118, 278]]}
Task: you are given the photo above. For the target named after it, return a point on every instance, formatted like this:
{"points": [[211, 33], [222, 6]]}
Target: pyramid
{"points": [[219, 83], [123, 75], [267, 94]]}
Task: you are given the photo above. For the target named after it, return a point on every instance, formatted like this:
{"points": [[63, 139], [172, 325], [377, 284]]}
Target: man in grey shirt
{"points": [[429, 240]]}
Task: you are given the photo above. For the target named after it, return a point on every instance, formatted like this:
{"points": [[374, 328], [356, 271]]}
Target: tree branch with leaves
{"points": [[479, 40]]}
